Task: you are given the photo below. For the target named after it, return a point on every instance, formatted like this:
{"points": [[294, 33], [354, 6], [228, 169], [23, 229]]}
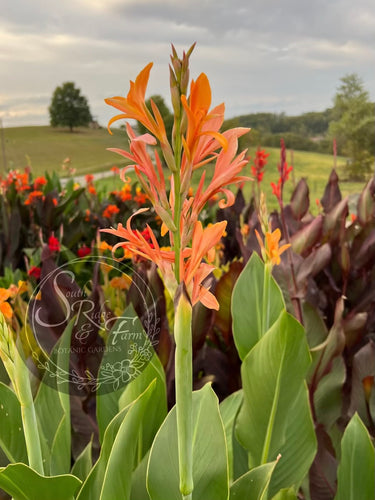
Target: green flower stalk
{"points": [[184, 382], [12, 357], [196, 142]]}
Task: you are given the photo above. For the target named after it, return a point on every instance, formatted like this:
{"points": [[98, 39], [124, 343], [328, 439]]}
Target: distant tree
{"points": [[165, 113], [69, 108], [353, 125]]}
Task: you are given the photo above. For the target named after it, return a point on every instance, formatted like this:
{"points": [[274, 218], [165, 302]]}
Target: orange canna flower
{"points": [[103, 246], [227, 169], [140, 197], [133, 106], [136, 242], [33, 196], [22, 181], [110, 210], [5, 307], [270, 250], [151, 178], [197, 111], [39, 181], [122, 282], [193, 270], [201, 143]]}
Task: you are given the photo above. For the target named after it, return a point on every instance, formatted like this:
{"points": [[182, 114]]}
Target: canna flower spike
{"points": [[194, 269], [197, 141], [271, 250]]}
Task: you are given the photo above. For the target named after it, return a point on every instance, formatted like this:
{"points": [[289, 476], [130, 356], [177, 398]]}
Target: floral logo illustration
{"points": [[80, 342]]}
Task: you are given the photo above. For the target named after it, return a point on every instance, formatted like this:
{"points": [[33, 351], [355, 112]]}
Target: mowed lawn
{"points": [[45, 149]]}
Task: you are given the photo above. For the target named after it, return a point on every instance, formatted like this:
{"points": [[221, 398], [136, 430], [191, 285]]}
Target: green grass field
{"points": [[46, 148]]}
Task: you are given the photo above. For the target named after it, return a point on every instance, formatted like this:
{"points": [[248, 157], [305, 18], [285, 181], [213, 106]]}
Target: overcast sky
{"points": [[259, 55]]}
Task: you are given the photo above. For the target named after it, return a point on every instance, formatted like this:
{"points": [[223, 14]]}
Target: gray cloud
{"points": [[260, 55]]}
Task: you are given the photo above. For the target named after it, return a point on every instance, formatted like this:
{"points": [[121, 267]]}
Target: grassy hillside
{"points": [[314, 167], [45, 148]]}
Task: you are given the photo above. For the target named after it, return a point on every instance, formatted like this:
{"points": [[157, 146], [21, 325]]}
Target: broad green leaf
{"points": [[210, 469], [228, 411], [52, 406], [272, 375], [110, 477], [328, 395], [127, 355], [83, 465], [139, 479], [23, 483], [316, 329], [12, 440], [249, 297], [275, 416], [285, 494], [356, 471], [254, 484], [299, 448], [240, 458], [157, 410]]}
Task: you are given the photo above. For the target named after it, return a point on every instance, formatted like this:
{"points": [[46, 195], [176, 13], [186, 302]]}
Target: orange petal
{"points": [[6, 310], [4, 294]]}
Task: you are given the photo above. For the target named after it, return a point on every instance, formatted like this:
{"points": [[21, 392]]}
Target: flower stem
{"points": [[184, 381]]}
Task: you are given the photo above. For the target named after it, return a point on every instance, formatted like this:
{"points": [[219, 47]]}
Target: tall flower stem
{"points": [[184, 381]]}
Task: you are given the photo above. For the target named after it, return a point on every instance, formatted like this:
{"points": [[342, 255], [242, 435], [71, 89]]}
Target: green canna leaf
{"points": [[53, 399], [356, 471], [210, 468], [157, 411], [12, 440], [249, 296], [83, 464], [23, 483], [111, 475], [127, 336], [228, 410], [285, 494], [254, 484], [275, 416]]}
